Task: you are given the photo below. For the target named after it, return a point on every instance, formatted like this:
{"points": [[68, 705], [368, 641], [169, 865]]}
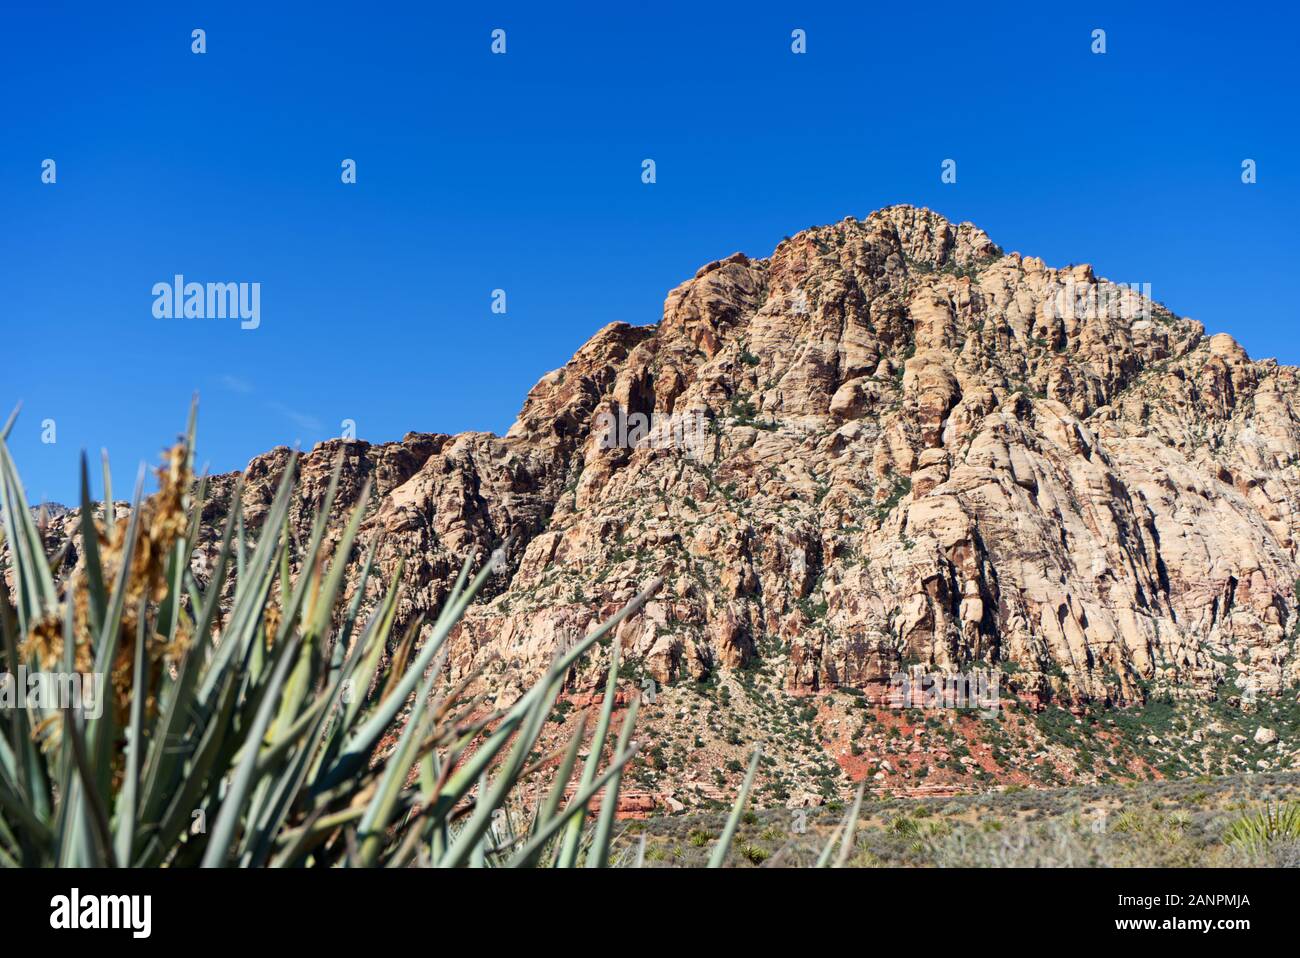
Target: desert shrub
{"points": [[1271, 824]]}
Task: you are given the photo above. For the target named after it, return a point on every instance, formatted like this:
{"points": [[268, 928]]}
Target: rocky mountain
{"points": [[890, 444], [886, 443]]}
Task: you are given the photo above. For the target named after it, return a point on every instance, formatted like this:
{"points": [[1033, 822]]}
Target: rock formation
{"points": [[889, 443]]}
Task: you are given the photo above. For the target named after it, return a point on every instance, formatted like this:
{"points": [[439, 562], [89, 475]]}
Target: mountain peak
{"points": [[886, 446]]}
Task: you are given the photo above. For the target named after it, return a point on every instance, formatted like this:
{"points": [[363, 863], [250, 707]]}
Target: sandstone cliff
{"points": [[915, 448]]}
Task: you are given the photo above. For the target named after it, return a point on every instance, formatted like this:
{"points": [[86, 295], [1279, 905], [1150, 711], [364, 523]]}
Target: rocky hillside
{"points": [[888, 444]]}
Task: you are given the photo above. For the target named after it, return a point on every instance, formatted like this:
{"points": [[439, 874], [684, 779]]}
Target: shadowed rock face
{"points": [[913, 454]]}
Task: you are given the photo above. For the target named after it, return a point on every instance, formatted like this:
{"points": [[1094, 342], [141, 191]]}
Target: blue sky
{"points": [[522, 172]]}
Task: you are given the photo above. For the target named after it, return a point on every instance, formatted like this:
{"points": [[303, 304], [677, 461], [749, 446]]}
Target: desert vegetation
{"points": [[1220, 821]]}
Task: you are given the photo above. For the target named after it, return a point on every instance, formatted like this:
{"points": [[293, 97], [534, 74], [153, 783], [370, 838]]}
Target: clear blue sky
{"points": [[522, 172]]}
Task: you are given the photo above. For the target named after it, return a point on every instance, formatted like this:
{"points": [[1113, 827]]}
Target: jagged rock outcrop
{"points": [[890, 442]]}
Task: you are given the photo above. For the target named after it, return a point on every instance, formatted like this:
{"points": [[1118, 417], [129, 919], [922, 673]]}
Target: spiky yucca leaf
{"points": [[1257, 830]]}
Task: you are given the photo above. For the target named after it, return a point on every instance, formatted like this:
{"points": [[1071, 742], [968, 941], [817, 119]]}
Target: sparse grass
{"points": [[1237, 821]]}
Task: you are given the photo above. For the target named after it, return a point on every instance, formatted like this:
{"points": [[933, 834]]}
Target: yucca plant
{"points": [[1257, 830], [244, 719]]}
